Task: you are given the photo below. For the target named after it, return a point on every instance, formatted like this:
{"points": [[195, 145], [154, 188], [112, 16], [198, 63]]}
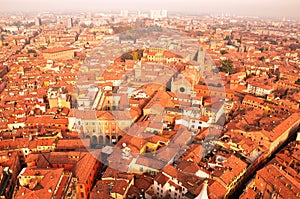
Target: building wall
{"points": [[68, 54], [217, 93], [169, 190], [83, 188]]}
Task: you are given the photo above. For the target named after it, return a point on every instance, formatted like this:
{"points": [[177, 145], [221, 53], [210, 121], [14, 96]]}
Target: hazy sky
{"points": [[276, 8]]}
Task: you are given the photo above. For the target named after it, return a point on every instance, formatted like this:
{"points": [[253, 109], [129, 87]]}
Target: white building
{"points": [[124, 13], [158, 14], [175, 184]]}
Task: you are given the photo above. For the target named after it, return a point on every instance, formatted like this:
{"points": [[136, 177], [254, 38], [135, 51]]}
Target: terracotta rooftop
{"points": [[58, 49]]}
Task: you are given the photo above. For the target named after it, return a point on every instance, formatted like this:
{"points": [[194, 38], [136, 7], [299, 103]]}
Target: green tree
{"points": [[230, 42], [294, 47], [227, 66], [227, 38], [17, 23], [223, 52], [31, 51]]}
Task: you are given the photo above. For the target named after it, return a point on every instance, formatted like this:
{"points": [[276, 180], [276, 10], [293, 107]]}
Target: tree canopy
{"points": [[227, 66]]}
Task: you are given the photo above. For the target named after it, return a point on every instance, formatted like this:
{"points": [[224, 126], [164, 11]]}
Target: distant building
{"points": [[59, 53], [158, 14], [70, 23], [124, 13], [139, 13], [164, 14], [38, 21]]}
